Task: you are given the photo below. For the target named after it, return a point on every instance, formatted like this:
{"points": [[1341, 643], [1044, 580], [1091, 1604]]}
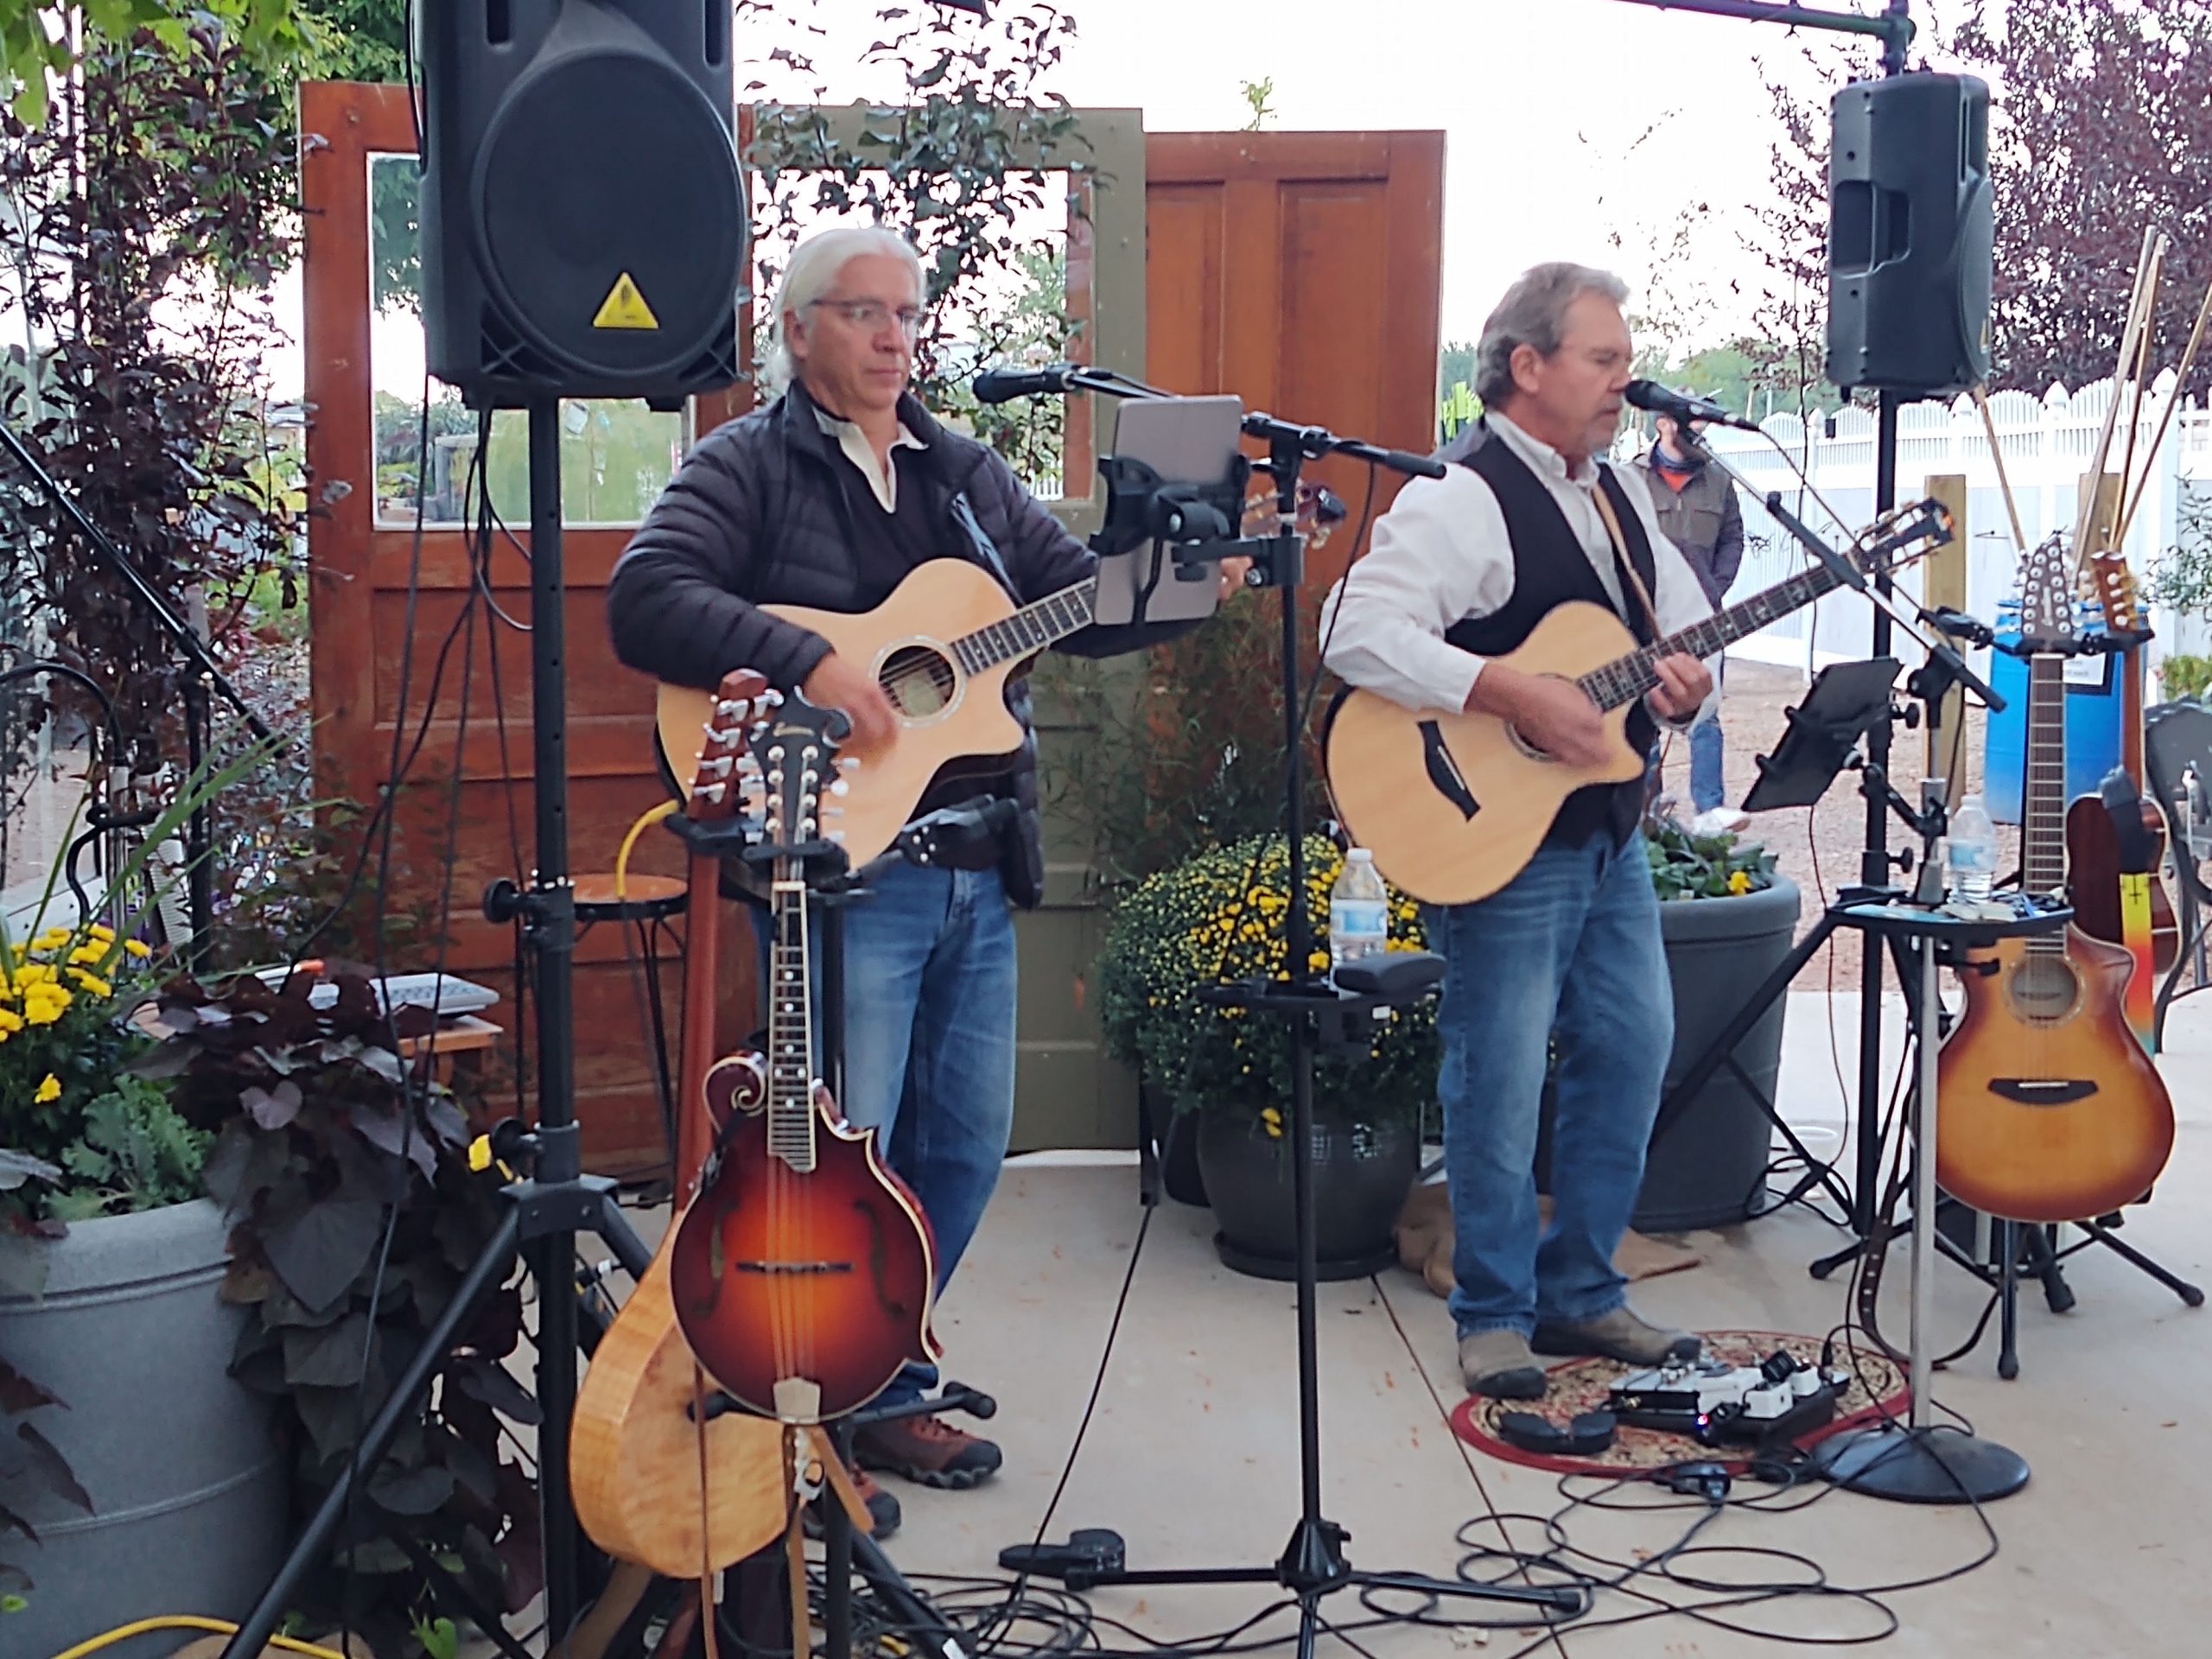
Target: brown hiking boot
{"points": [[927, 1450], [882, 1508]]}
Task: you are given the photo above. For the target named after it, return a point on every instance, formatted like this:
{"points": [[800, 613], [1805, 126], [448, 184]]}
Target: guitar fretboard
{"points": [[1030, 629], [2043, 826], [1626, 678], [791, 1033]]}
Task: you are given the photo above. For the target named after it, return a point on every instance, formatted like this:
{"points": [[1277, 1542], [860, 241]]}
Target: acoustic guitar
{"points": [[653, 1485], [942, 647], [804, 1273], [1454, 804], [2051, 1109], [2109, 875]]}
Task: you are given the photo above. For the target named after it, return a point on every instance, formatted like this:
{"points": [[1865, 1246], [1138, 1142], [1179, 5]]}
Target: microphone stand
{"points": [[1313, 1563]]}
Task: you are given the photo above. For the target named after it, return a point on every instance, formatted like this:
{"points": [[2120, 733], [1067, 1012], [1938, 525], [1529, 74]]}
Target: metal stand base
{"points": [[1921, 1466]]}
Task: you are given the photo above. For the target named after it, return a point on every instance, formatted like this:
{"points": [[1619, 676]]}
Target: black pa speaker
{"points": [[583, 211], [1911, 235]]}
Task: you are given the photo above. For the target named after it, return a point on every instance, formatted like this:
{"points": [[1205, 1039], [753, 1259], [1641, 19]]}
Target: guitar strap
{"points": [[1629, 581]]}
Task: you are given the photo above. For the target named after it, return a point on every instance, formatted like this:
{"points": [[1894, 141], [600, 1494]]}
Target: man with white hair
{"points": [[826, 499], [1565, 961]]}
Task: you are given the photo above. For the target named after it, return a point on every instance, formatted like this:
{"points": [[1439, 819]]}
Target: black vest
{"points": [[1550, 568]]}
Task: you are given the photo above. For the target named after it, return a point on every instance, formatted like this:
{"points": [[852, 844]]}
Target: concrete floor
{"points": [[1192, 1455]]}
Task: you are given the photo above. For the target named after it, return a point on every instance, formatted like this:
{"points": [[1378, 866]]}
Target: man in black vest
{"points": [[1561, 970], [827, 499]]}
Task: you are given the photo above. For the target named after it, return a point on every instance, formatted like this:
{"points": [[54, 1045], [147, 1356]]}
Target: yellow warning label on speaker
{"points": [[624, 308]]}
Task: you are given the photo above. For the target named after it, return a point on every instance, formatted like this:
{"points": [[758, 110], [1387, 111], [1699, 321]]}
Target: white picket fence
{"points": [[2046, 447]]}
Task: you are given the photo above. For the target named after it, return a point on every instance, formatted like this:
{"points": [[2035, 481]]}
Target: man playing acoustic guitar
{"points": [[827, 499], [1565, 958]]}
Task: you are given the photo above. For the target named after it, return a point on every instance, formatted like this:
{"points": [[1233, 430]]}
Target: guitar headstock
{"points": [[795, 749], [1904, 534], [2047, 595], [726, 775], [2111, 584], [1319, 512]]}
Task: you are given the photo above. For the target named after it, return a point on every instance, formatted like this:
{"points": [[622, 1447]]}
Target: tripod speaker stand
{"points": [[1313, 1564]]}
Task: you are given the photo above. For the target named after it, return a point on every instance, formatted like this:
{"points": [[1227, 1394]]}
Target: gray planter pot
{"points": [[187, 1485], [1704, 1170]]}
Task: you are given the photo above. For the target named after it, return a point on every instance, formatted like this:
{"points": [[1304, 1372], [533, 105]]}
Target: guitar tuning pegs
{"points": [[835, 837], [771, 699], [849, 763], [841, 788]]}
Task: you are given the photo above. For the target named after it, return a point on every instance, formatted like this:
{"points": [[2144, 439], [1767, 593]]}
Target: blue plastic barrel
{"points": [[2092, 720]]}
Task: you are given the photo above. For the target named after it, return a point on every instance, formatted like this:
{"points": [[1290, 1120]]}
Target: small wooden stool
{"points": [[649, 903]]}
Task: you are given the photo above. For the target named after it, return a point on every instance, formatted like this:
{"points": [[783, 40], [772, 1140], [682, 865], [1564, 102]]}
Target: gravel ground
{"points": [[1819, 847]]}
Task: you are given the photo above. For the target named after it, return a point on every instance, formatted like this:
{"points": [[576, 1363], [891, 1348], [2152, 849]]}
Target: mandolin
{"points": [[2051, 1109], [1454, 804], [652, 1486], [804, 1273], [2112, 876]]}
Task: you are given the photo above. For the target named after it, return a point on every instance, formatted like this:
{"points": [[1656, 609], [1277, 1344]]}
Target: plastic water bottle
{"points": [[1971, 853], [1359, 911]]}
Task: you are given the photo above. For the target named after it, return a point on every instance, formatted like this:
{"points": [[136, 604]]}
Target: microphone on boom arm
{"points": [[1001, 386], [1649, 395]]}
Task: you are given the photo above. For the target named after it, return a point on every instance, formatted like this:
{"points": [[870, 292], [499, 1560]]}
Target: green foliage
{"points": [[956, 167], [1184, 749], [37, 45], [1687, 866], [1030, 432], [323, 1138], [1456, 363], [29, 1463], [2185, 675], [137, 1153], [1257, 95], [167, 180], [1222, 916], [1458, 410]]}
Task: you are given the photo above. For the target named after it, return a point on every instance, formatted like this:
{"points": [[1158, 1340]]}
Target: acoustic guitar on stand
{"points": [[2052, 1111], [1454, 804]]}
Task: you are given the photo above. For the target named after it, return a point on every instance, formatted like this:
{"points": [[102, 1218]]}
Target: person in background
{"points": [[1696, 507]]}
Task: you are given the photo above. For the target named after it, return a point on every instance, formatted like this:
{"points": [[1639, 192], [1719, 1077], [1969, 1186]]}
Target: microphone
{"points": [[999, 385], [1663, 400]]}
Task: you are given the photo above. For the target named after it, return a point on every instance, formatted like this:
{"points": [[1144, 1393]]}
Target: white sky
{"points": [[1542, 103]]}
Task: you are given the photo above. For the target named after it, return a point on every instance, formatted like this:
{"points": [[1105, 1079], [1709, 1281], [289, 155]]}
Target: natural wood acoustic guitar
{"points": [[1454, 804], [2051, 1109]]}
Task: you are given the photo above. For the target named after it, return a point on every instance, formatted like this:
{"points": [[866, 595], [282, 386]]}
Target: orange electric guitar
{"points": [[804, 1273], [2051, 1109], [2108, 881]]}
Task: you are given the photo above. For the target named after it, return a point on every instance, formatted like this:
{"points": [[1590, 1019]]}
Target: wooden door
{"points": [[471, 781], [1300, 271]]}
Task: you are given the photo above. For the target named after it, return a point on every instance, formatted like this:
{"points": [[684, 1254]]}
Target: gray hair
{"points": [[813, 269], [1531, 314]]}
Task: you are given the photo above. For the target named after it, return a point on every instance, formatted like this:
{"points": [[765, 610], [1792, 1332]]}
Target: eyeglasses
{"points": [[872, 314]]}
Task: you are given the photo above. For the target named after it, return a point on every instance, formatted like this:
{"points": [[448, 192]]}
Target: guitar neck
{"points": [[2043, 827], [1031, 629], [791, 1028], [1626, 678]]}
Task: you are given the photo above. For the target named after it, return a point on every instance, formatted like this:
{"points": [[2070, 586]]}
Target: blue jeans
{"points": [[1706, 748], [1569, 948], [929, 1047]]}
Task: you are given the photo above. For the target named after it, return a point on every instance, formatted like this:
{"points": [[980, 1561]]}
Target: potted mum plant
{"points": [[1220, 917], [125, 1493], [1728, 918]]}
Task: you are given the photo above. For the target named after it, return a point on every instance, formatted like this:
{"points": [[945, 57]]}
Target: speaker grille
{"points": [[602, 165]]}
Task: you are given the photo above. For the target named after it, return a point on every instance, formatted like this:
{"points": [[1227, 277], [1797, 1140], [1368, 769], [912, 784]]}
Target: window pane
{"points": [[616, 454]]}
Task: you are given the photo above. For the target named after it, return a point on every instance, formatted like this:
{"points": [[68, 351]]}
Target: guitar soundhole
{"points": [[2044, 988], [920, 681]]}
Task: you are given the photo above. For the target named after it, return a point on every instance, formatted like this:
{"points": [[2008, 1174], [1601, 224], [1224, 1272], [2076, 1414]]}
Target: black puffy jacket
{"points": [[756, 516]]}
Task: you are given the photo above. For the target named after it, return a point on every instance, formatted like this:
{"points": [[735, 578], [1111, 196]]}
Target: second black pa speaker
{"points": [[1911, 235], [582, 208]]}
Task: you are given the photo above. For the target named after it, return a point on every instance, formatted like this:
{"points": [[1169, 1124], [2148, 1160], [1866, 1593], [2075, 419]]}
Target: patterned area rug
{"points": [[1580, 1385]]}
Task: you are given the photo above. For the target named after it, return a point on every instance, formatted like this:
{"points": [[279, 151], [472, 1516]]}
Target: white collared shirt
{"points": [[1441, 556], [882, 475]]}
